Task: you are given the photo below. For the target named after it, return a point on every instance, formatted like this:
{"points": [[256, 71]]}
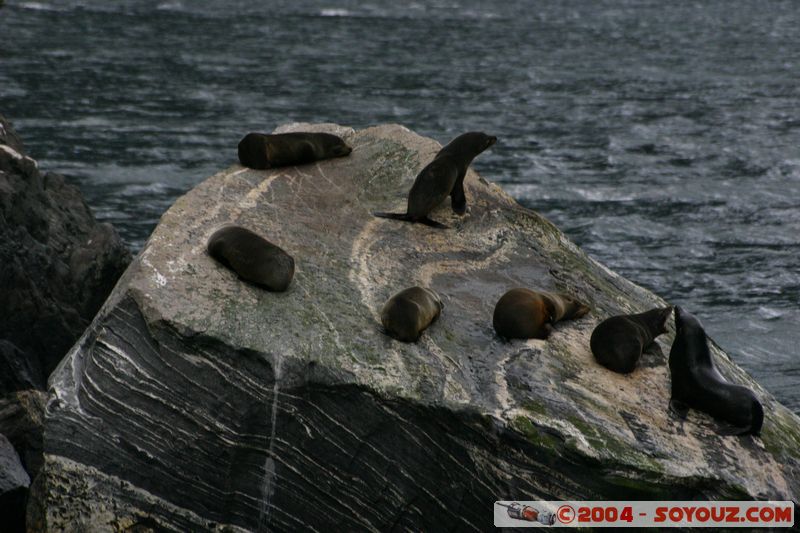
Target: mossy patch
{"points": [[535, 407], [535, 435], [612, 447], [780, 438]]}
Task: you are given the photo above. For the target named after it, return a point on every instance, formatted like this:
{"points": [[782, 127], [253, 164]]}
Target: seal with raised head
{"points": [[526, 314], [442, 177], [617, 342], [252, 257], [262, 151], [409, 312], [697, 384]]}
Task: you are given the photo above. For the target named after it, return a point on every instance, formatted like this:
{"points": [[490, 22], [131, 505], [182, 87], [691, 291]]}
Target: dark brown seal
{"points": [[526, 314], [617, 342], [442, 177], [252, 257], [409, 312], [262, 151], [697, 384]]}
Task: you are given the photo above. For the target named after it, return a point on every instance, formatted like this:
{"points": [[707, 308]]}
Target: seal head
{"points": [[697, 384], [461, 147]]}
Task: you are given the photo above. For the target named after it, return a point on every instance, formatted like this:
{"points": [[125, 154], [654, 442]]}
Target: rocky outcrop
{"points": [[14, 482], [21, 421], [18, 370], [9, 137], [198, 402], [57, 266]]}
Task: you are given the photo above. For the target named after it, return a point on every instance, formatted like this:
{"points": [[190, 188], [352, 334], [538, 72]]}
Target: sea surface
{"points": [[662, 136]]}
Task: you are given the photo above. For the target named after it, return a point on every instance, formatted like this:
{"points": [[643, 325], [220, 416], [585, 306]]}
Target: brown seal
{"points": [[697, 384], [442, 177], [409, 312], [252, 257], [617, 342], [526, 314], [262, 151]]}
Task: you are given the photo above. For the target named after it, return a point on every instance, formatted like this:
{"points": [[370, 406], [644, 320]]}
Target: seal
{"points": [[526, 314], [617, 342], [252, 258], [442, 177], [697, 384], [409, 312], [262, 151]]}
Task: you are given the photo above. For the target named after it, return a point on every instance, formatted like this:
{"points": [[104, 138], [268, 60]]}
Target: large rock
{"points": [[14, 482], [196, 401], [22, 420], [57, 266], [18, 370]]}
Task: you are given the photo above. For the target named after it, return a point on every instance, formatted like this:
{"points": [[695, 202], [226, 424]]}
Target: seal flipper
{"points": [[678, 408], [458, 200]]}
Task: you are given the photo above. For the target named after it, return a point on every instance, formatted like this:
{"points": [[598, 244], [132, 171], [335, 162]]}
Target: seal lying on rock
{"points": [[262, 151], [409, 312], [527, 314], [252, 257], [697, 384], [617, 342], [442, 177]]}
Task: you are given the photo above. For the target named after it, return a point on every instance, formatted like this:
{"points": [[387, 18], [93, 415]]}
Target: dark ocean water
{"points": [[663, 137]]}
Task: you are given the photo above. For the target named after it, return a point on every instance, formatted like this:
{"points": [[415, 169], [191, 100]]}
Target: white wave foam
{"points": [[769, 313], [170, 6], [335, 12], [37, 6]]}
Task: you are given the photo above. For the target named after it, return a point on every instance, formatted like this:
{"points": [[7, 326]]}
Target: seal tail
{"points": [[405, 217]]}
